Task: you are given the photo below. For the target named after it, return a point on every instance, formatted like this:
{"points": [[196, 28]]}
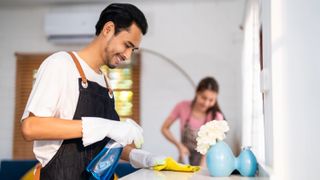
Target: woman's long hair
{"points": [[209, 83]]}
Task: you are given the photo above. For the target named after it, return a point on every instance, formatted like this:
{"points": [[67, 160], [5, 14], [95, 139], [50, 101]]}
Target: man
{"points": [[70, 113]]}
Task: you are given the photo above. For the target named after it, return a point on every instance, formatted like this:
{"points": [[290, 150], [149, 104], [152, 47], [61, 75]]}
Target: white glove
{"points": [[95, 129], [142, 159]]}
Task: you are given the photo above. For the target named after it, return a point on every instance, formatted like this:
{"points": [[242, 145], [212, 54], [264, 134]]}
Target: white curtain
{"points": [[252, 117]]}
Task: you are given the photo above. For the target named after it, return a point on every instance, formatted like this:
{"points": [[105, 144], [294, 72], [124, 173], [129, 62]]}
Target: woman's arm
{"points": [[203, 161], [183, 151], [165, 129]]}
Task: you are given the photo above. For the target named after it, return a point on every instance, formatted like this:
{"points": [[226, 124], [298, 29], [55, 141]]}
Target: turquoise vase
{"points": [[221, 161], [246, 163]]}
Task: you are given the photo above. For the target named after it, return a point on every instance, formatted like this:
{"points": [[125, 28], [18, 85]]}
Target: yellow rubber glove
{"points": [[171, 165]]}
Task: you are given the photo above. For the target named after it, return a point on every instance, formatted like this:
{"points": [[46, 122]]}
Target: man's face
{"points": [[120, 47]]}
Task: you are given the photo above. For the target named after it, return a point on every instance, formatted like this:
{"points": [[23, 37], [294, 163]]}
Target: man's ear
{"points": [[108, 29]]}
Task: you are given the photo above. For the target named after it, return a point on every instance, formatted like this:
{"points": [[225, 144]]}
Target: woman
{"points": [[192, 115]]}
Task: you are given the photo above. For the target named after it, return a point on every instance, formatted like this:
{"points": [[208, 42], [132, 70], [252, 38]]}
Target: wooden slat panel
{"points": [[136, 65], [26, 63]]}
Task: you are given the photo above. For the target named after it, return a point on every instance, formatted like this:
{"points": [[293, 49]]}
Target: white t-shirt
{"points": [[55, 94]]}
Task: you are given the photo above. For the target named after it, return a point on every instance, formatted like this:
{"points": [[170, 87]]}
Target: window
{"points": [[125, 82], [253, 121]]}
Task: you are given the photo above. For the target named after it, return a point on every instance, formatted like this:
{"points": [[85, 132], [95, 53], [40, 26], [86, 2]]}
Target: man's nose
{"points": [[127, 53]]}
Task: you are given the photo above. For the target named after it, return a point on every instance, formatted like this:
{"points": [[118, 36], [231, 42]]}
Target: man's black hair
{"points": [[122, 15]]}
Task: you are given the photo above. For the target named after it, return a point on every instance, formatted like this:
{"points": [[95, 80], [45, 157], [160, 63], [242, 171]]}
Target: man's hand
{"points": [[142, 159], [125, 132]]}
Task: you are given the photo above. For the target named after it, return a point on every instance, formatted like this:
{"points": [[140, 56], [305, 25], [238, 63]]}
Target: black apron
{"points": [[71, 160]]}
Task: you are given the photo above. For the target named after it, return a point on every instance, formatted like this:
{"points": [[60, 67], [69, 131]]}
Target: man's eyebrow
{"points": [[132, 45]]}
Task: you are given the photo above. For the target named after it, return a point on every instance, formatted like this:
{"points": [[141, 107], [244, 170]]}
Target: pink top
{"points": [[182, 112]]}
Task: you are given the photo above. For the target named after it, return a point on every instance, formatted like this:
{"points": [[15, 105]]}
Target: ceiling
{"points": [[45, 2], [4, 3]]}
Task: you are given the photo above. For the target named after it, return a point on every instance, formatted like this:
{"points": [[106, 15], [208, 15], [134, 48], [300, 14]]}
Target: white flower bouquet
{"points": [[210, 133]]}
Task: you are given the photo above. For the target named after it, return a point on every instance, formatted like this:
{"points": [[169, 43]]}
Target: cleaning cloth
{"points": [[171, 165]]}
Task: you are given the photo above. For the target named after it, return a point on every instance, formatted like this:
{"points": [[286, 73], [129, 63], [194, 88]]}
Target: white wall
{"points": [[293, 44], [202, 37]]}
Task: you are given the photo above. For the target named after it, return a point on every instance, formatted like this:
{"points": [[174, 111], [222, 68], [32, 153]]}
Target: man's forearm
{"points": [[46, 128], [126, 151]]}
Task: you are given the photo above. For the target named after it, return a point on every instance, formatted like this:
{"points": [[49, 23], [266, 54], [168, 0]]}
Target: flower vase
{"points": [[220, 159], [246, 163]]}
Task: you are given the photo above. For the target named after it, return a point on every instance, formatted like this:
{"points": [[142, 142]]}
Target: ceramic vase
{"points": [[246, 163], [221, 161]]}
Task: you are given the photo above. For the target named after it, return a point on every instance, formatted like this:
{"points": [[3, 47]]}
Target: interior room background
{"points": [[202, 37]]}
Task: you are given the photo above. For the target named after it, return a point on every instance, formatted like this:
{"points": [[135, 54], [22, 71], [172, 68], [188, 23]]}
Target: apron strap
{"points": [[106, 79], [37, 172], [189, 117], [83, 76]]}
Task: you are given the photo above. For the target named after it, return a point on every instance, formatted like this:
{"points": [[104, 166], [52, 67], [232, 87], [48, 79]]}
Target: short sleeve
{"points": [[176, 112], [46, 91], [219, 116]]}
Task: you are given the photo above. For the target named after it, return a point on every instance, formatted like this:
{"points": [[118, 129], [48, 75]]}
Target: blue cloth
{"points": [[124, 169], [15, 169]]}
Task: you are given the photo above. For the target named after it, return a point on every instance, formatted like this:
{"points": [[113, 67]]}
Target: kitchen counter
{"points": [[203, 174]]}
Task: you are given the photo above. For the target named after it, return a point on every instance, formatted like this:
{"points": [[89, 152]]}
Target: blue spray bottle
{"points": [[103, 165]]}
